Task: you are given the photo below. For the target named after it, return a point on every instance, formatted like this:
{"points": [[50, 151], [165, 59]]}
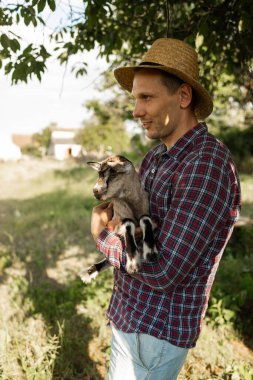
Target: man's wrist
{"points": [[96, 233]]}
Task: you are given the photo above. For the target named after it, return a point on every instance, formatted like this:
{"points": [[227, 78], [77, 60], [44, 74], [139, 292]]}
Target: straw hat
{"points": [[177, 58]]}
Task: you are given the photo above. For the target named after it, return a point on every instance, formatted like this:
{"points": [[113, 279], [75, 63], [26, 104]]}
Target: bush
{"points": [[232, 295], [240, 143], [241, 241], [32, 150]]}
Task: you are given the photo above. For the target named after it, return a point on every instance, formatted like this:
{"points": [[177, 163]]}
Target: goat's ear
{"points": [[94, 165], [128, 167], [123, 167]]}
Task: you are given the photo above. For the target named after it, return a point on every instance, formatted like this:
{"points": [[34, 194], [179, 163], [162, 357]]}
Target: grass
{"points": [[247, 195], [51, 325]]}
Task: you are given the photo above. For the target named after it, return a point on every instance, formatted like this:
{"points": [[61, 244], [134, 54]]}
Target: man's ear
{"points": [[185, 95]]}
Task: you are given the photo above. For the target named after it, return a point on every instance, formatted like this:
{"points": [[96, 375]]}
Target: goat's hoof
{"points": [[133, 266], [151, 256], [88, 274], [150, 253]]}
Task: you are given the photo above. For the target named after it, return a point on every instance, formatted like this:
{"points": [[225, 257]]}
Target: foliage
{"points": [[105, 130], [219, 313], [47, 299], [54, 327], [102, 138], [241, 241], [31, 150], [118, 101], [238, 140], [139, 146], [43, 138], [232, 295], [222, 30], [40, 143]]}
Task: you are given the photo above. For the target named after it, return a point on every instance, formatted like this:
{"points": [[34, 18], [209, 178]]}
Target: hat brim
{"points": [[203, 101]]}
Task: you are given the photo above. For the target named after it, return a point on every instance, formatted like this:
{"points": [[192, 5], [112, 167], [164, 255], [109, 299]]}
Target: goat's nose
{"points": [[97, 193], [97, 190]]}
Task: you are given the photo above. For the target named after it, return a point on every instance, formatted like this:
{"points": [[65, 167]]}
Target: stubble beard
{"points": [[162, 134]]}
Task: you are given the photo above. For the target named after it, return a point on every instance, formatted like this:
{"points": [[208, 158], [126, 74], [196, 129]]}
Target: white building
{"points": [[63, 144], [8, 150]]}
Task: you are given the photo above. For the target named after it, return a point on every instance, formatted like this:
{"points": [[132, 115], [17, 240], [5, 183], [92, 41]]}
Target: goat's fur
{"points": [[119, 182]]}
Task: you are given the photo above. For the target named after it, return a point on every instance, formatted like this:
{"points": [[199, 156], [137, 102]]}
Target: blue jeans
{"points": [[144, 357]]}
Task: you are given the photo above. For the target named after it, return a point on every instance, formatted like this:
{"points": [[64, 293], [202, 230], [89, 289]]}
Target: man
{"points": [[194, 191]]}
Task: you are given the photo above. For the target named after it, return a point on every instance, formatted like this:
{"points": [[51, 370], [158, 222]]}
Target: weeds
{"points": [[54, 327]]}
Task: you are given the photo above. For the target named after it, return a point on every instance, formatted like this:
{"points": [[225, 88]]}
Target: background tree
{"points": [[123, 29], [105, 131], [40, 142], [43, 138], [220, 30]]}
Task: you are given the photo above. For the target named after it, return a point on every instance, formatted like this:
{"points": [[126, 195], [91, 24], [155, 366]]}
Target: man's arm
{"points": [[100, 218], [102, 226], [199, 209]]}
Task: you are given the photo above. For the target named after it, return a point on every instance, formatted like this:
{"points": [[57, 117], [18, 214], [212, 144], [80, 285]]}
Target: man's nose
{"points": [[138, 110]]}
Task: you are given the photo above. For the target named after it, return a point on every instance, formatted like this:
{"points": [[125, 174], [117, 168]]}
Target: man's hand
{"points": [[101, 216]]}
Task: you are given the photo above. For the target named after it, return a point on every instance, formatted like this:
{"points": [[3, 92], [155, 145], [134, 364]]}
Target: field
{"points": [[54, 327]]}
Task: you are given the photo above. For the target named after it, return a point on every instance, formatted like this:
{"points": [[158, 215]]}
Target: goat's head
{"points": [[111, 172]]}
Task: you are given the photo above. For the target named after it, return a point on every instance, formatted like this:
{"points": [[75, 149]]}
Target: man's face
{"points": [[157, 109]]}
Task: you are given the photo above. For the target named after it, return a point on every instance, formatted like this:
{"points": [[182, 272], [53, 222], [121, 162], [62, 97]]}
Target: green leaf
{"points": [[5, 41], [51, 4], [28, 49], [34, 21], [41, 20], [27, 20], [41, 5], [44, 52], [8, 68], [14, 44]]}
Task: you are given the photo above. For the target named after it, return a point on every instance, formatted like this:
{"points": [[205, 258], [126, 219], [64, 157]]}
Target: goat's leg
{"points": [[133, 264], [149, 248], [90, 273]]}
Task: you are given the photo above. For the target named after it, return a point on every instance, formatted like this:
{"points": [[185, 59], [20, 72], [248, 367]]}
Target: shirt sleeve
{"points": [[199, 209], [112, 246]]}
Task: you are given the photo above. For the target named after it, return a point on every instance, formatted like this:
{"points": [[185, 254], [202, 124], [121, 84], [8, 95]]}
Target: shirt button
{"points": [[152, 171], [115, 287]]}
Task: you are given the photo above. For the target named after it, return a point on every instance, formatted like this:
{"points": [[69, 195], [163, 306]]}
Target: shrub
{"points": [[232, 295], [240, 143]]}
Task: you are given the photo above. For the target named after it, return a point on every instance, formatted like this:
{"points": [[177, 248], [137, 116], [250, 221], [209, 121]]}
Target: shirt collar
{"points": [[183, 142]]}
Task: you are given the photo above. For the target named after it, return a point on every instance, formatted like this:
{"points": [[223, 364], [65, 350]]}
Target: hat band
{"points": [[150, 63]]}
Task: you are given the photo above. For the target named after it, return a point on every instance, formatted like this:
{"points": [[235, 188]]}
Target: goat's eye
{"points": [[102, 174], [113, 173]]}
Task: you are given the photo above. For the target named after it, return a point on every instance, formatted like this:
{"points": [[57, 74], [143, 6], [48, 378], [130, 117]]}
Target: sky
{"points": [[59, 97]]}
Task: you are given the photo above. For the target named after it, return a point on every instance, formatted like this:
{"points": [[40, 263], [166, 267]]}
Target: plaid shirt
{"points": [[195, 200]]}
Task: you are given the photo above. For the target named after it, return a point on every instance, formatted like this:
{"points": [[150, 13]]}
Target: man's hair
{"points": [[173, 83], [170, 81]]}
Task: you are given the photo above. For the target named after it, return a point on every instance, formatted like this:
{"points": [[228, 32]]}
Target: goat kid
{"points": [[119, 182]]}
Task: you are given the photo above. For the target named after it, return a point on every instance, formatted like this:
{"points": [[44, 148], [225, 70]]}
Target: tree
{"points": [[40, 142], [123, 29], [42, 139], [105, 130]]}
